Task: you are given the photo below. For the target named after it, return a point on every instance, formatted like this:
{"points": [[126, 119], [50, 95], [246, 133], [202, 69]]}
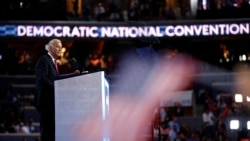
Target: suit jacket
{"points": [[45, 75]]}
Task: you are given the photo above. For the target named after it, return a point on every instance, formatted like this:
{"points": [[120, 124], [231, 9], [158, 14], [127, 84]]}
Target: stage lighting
{"points": [[248, 125], [234, 124], [248, 99], [238, 98]]}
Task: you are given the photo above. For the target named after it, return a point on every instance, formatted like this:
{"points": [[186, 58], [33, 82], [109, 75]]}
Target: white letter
{"points": [[169, 31], [133, 32], [222, 26], [158, 32], [38, 31], [94, 31], [29, 31], [198, 30], [105, 31], [48, 31], [66, 31], [58, 31], [21, 30], [143, 31], [205, 30], [234, 29], [151, 31], [213, 30], [244, 28], [122, 31], [179, 31], [75, 32], [189, 30]]}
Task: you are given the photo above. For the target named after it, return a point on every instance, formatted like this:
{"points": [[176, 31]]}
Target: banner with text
{"points": [[118, 30]]}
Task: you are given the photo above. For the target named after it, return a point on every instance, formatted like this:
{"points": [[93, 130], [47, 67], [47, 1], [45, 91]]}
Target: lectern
{"points": [[76, 98]]}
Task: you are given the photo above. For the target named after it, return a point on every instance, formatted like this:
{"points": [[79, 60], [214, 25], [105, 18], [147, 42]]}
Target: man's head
{"points": [[55, 48]]}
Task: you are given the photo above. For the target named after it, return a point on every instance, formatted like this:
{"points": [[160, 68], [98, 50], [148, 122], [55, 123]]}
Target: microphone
{"points": [[75, 64], [74, 60]]}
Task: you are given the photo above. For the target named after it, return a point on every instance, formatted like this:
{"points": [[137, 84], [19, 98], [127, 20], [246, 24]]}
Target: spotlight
{"points": [[234, 124], [248, 125], [238, 98], [248, 99]]}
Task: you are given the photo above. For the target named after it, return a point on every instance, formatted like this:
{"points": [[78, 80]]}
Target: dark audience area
{"points": [[128, 10]]}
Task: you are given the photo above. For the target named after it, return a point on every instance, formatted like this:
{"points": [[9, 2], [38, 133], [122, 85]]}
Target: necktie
{"points": [[56, 66]]}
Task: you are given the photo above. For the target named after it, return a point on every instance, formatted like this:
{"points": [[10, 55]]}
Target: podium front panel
{"points": [[78, 98]]}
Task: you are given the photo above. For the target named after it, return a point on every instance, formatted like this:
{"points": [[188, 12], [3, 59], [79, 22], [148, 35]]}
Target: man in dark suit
{"points": [[46, 72]]}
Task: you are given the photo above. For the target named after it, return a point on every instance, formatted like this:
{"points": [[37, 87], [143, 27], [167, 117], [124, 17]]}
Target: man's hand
{"points": [[76, 72]]}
